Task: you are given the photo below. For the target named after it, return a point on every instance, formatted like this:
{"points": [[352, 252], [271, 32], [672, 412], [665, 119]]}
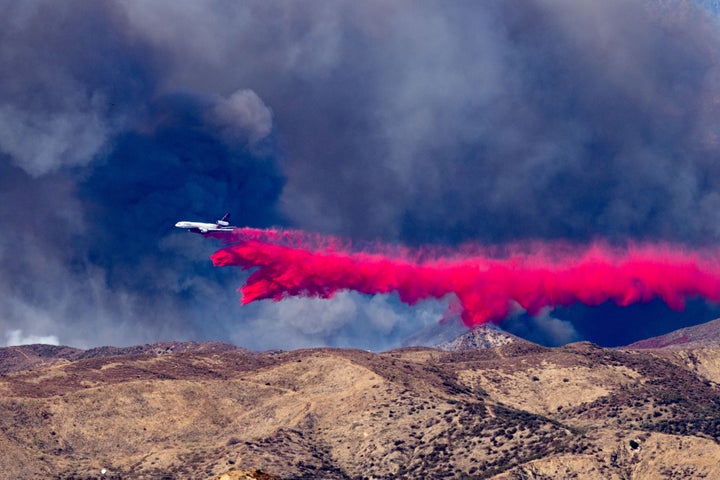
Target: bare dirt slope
{"points": [[213, 411]]}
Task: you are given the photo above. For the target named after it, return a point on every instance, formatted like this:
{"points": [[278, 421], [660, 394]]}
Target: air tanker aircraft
{"points": [[222, 225]]}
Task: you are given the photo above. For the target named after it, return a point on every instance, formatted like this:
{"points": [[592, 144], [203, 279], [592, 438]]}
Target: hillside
{"points": [[27, 357], [214, 411], [703, 335]]}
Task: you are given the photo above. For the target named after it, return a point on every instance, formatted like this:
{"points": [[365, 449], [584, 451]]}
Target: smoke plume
{"points": [[487, 282], [408, 122]]}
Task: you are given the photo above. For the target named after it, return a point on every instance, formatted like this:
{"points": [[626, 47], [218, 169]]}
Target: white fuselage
{"points": [[200, 227]]}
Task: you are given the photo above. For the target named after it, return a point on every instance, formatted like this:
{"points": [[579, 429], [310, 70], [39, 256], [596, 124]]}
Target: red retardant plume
{"points": [[487, 282]]}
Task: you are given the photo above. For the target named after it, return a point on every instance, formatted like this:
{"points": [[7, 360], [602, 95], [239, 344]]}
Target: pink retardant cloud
{"points": [[487, 282]]}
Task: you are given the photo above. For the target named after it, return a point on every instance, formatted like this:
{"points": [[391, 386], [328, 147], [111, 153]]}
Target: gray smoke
{"points": [[404, 121]]}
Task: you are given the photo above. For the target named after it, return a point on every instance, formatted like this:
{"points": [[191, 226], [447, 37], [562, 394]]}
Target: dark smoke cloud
{"points": [[70, 82], [98, 163], [406, 121], [506, 120]]}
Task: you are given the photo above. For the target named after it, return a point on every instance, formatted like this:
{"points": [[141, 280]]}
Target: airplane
{"points": [[222, 225]]}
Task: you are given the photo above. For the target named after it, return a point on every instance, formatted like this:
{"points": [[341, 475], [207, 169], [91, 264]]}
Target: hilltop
{"points": [[28, 357], [484, 336]]}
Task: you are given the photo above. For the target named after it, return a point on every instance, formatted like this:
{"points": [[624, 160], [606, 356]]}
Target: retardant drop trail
{"points": [[486, 281]]}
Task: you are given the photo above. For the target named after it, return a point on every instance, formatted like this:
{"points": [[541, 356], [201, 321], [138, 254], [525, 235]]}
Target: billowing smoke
{"points": [[409, 122], [487, 282]]}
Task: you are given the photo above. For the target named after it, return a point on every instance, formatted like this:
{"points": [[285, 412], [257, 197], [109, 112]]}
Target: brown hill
{"points": [[706, 334], [515, 411], [26, 357]]}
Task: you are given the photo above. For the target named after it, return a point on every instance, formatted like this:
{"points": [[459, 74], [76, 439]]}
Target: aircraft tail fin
{"points": [[225, 220]]}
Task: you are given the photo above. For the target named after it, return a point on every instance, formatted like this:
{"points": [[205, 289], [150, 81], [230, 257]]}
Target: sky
{"points": [[404, 122]]}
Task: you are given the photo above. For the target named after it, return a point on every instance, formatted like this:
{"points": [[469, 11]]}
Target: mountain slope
{"points": [[705, 334], [28, 357], [515, 411]]}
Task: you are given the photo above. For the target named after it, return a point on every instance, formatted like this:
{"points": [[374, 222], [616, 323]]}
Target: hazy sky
{"points": [[403, 121]]}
